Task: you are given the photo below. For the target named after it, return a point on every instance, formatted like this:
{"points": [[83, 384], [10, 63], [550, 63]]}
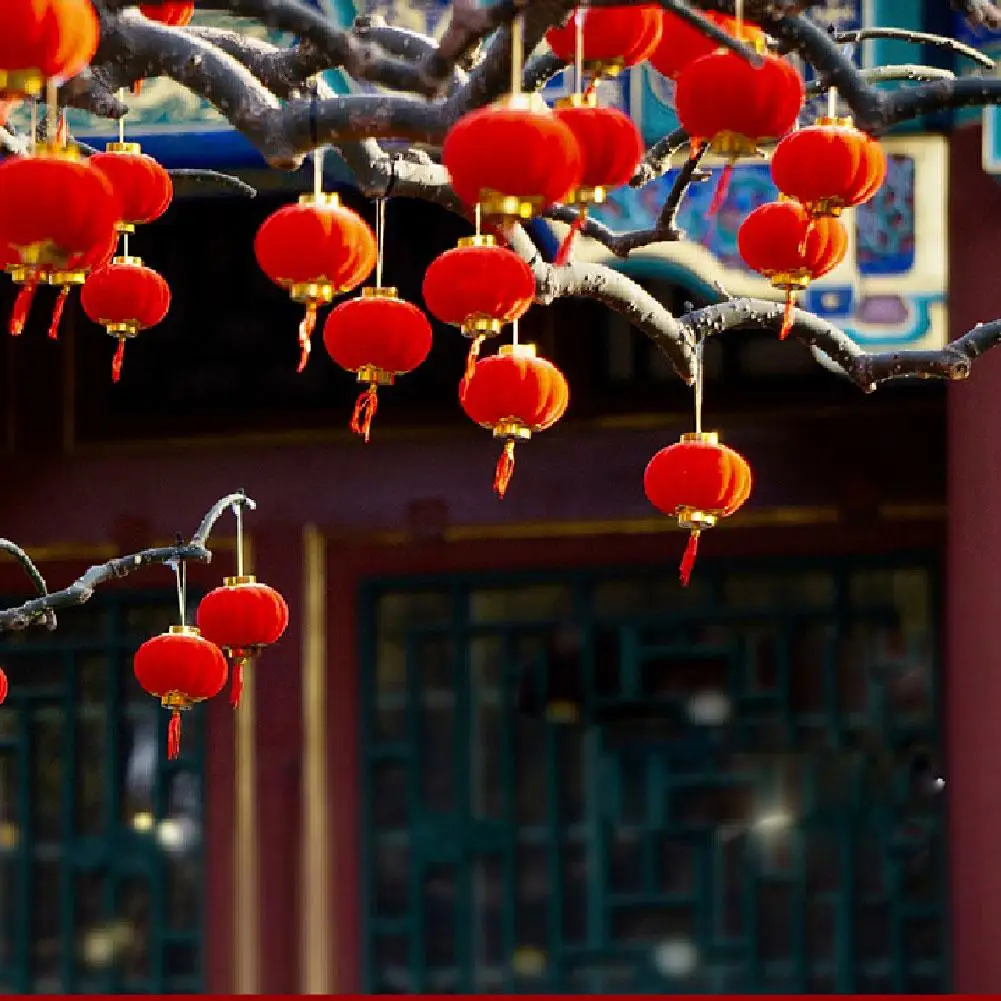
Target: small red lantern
{"points": [[514, 158], [242, 617], [514, 393], [3, 686], [44, 40], [725, 102], [317, 249], [829, 167], [181, 668], [125, 297], [681, 43], [697, 480], [378, 336], [783, 242], [143, 186], [478, 287], [613, 37], [173, 13]]}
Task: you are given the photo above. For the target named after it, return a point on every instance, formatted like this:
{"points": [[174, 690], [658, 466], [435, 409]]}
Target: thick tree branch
{"points": [[917, 37], [189, 182], [658, 158], [41, 609], [912, 73]]}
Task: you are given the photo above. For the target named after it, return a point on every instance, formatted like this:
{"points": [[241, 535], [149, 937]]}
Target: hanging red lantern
{"points": [[3, 686], [317, 249], [378, 336], [829, 166], [242, 618], [173, 13], [478, 287], [125, 297], [514, 393], [681, 42], [783, 242], [514, 157], [44, 40], [181, 668], [143, 186], [697, 480], [726, 103], [612, 37]]}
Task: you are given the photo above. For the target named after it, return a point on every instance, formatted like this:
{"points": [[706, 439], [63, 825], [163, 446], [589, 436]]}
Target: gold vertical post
{"points": [[246, 855], [318, 933]]}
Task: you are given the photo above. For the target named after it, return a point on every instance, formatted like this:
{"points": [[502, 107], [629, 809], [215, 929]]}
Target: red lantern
{"points": [[829, 167], [514, 158], [181, 668], [3, 686], [143, 186], [317, 249], [783, 242], [378, 336], [698, 481], [44, 40], [170, 12], [125, 297], [613, 37], [725, 102], [242, 617], [681, 43], [478, 287], [514, 393]]}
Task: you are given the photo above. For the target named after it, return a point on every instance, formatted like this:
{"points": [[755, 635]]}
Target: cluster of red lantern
{"points": [[188, 664]]}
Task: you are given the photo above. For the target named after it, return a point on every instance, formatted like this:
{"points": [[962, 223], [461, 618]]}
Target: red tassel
{"points": [[57, 312], [722, 189], [137, 88], [787, 316], [474, 353], [688, 558], [592, 85], [174, 735], [236, 689], [22, 306], [306, 329], [563, 254], [116, 362], [505, 469], [365, 408]]}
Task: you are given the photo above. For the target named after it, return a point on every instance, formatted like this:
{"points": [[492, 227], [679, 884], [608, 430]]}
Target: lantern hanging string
{"points": [[578, 52], [51, 109], [832, 103], [121, 139], [317, 174], [238, 515], [181, 577], [478, 218], [380, 239], [699, 370], [738, 14], [517, 53], [34, 123], [514, 332]]}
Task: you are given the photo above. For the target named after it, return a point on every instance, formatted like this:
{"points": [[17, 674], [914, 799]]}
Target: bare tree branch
{"points": [[187, 182], [917, 37]]}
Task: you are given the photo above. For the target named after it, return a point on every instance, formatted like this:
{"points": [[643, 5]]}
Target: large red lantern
{"points": [[783, 242], [829, 166], [478, 287], [44, 40], [514, 393], [174, 13], [181, 668], [317, 249], [143, 186], [682, 43], [378, 336], [242, 618], [612, 37], [697, 480], [3, 686], [513, 158], [125, 297]]}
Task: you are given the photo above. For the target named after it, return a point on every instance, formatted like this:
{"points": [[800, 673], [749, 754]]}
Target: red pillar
{"points": [[973, 583]]}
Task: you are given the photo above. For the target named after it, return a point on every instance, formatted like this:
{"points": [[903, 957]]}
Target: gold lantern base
{"points": [[835, 122], [790, 281], [65, 277], [481, 326], [380, 292], [21, 83], [373, 376], [312, 293], [125, 329], [733, 145], [176, 700], [494, 203], [588, 196], [512, 428]]}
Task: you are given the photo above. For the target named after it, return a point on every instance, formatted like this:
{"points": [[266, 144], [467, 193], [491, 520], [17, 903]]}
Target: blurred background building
{"points": [[500, 749]]}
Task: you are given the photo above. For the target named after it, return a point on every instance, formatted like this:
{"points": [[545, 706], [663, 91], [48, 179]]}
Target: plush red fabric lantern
{"points": [[697, 480], [783, 242], [181, 668], [242, 617], [514, 393], [478, 287], [317, 249], [125, 297], [829, 166], [514, 157], [3, 686], [682, 43], [173, 13], [613, 37], [377, 336], [44, 40], [143, 186]]}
